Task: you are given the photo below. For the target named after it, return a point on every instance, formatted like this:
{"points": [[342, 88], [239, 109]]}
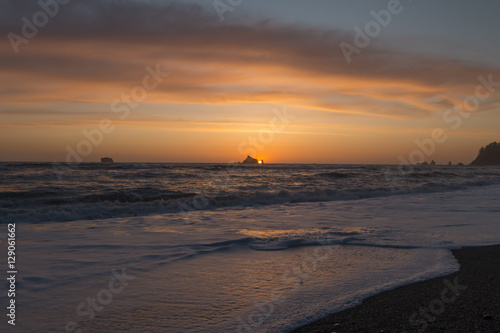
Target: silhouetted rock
{"points": [[449, 163], [460, 164], [425, 163], [433, 162], [250, 160], [489, 155], [107, 160]]}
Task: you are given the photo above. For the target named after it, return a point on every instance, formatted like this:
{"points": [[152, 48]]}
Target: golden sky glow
{"points": [[225, 82]]}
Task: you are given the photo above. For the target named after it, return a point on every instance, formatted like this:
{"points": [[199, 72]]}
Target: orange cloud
{"points": [[70, 74]]}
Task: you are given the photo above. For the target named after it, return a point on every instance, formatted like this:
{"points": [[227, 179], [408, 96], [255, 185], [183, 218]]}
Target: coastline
{"points": [[430, 306]]}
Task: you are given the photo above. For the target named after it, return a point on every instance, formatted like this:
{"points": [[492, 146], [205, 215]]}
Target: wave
{"points": [[435, 174], [128, 196], [31, 192], [282, 244], [27, 194], [280, 240], [34, 207], [335, 174]]}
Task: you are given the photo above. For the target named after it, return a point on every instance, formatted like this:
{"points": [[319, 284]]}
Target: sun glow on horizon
{"points": [[228, 91]]}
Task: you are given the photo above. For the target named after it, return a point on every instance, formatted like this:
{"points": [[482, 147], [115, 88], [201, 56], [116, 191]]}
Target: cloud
{"points": [[93, 50]]}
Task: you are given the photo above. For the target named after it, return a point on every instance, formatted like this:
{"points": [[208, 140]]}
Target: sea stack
{"points": [[489, 155], [250, 160], [107, 160]]}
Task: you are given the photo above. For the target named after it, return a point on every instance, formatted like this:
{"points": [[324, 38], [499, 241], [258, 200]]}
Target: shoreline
{"points": [[465, 301]]}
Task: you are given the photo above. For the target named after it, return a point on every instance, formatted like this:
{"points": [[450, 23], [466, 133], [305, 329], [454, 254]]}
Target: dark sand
{"points": [[422, 307]]}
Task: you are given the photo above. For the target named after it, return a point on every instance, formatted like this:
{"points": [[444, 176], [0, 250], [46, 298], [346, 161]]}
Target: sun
{"points": [[261, 161]]}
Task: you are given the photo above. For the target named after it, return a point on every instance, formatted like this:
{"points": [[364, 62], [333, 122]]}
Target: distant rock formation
{"points": [[107, 160], [489, 155], [427, 164], [251, 160], [449, 163]]}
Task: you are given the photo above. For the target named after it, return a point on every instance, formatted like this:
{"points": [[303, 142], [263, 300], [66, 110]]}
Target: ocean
{"points": [[132, 247], [45, 192]]}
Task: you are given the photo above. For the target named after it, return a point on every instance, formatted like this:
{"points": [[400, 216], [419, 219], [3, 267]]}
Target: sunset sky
{"points": [[229, 80]]}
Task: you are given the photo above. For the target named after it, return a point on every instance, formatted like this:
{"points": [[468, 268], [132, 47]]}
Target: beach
{"points": [[472, 306]]}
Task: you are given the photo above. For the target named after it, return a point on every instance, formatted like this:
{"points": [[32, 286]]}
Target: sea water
{"points": [[227, 248], [45, 192]]}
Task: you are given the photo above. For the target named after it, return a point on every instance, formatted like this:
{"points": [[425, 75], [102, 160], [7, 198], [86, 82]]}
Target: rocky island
{"points": [[107, 160], [251, 160], [489, 155]]}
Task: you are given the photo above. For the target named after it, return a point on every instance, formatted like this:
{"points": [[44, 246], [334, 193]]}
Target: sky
{"points": [[287, 81]]}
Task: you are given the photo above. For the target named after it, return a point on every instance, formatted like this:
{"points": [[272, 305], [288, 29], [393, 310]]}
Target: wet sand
{"points": [[466, 301]]}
